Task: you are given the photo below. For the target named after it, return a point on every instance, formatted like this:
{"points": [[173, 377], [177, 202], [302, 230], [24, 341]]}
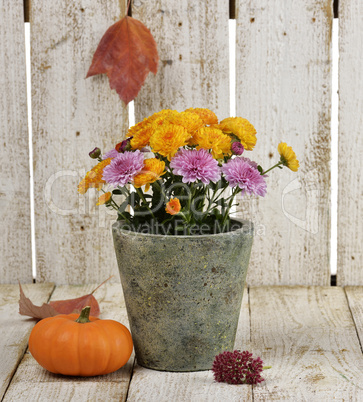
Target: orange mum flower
{"points": [[152, 170], [190, 121], [104, 198], [93, 178], [142, 131], [206, 115], [214, 139], [168, 138], [242, 129], [173, 206]]}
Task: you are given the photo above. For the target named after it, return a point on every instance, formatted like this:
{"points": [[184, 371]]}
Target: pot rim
{"points": [[246, 226]]}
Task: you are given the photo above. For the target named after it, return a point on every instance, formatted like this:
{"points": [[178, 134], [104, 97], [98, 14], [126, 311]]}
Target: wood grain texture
{"points": [[192, 40], [33, 383], [15, 235], [150, 385], [15, 328], [308, 336], [283, 87], [355, 298], [350, 181], [71, 116]]}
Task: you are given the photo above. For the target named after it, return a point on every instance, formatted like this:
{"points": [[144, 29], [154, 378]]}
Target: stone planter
{"points": [[183, 294]]}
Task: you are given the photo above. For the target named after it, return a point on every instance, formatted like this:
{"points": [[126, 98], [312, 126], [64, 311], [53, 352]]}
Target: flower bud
{"points": [[123, 146], [237, 148], [94, 154]]}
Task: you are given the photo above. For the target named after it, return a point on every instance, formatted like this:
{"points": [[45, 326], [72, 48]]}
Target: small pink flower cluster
{"points": [[237, 368]]}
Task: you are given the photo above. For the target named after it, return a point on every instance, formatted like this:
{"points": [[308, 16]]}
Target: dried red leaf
{"points": [[126, 53], [26, 307], [76, 305]]}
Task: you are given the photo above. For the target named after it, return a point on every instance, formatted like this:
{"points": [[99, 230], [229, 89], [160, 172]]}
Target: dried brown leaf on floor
{"points": [[26, 306]]}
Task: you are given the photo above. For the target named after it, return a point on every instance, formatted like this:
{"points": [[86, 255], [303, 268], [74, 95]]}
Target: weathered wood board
{"points": [[15, 235], [355, 300], [15, 328], [33, 383], [350, 182], [192, 40], [71, 116], [150, 385], [308, 336], [283, 87]]}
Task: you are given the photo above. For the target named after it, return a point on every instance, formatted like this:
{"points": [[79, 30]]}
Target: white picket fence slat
{"points": [[350, 185], [283, 74], [71, 116], [15, 233]]}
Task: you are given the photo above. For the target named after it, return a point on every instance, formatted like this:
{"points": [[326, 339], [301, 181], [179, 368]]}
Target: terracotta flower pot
{"points": [[183, 294]]}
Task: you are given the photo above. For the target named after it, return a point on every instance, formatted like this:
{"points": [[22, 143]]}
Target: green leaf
{"points": [[123, 206]]}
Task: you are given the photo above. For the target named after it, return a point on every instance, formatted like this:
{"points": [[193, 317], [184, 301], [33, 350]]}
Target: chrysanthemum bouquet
{"points": [[172, 173]]}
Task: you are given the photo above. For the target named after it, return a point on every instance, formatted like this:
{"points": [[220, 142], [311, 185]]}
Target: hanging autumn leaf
{"points": [[126, 53], [26, 306]]}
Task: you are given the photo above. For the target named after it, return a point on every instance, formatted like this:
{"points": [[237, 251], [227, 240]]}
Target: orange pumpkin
{"points": [[86, 346]]}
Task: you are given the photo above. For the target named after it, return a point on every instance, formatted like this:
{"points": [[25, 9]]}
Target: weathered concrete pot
{"points": [[183, 294]]}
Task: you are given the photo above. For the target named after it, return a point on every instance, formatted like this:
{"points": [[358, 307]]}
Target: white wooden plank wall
{"points": [[71, 116], [15, 234], [283, 74], [350, 186], [192, 39]]}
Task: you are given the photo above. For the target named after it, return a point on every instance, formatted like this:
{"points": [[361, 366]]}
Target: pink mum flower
{"points": [[242, 172], [123, 168], [195, 165], [110, 154]]}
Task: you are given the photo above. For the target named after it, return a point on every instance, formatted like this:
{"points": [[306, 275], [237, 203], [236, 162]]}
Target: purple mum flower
{"points": [[195, 165], [110, 154], [123, 168], [242, 172]]}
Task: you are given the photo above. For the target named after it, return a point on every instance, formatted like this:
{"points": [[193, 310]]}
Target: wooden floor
{"points": [[311, 336]]}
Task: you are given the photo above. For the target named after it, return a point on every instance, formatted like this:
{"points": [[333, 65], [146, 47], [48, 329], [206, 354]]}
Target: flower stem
{"points": [[141, 194], [273, 167]]}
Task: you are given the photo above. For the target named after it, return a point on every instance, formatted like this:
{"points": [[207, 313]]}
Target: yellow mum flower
{"points": [[141, 135], [168, 138], [142, 131], [190, 121], [152, 170], [214, 139], [288, 157], [206, 115], [104, 198], [93, 178], [173, 206], [242, 129]]}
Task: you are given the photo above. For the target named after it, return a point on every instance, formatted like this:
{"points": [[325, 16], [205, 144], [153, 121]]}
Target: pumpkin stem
{"points": [[84, 316]]}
